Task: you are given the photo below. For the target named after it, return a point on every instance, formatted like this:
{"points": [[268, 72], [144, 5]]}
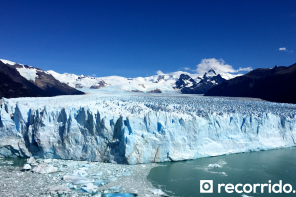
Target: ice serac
{"points": [[139, 129]]}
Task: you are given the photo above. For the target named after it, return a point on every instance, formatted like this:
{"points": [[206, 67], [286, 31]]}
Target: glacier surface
{"points": [[134, 128]]}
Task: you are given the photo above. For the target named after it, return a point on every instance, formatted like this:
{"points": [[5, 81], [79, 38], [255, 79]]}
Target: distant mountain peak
{"points": [[202, 84], [211, 73]]}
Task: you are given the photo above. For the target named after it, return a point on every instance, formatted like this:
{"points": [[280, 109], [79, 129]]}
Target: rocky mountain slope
{"points": [[201, 85], [277, 84], [19, 80]]}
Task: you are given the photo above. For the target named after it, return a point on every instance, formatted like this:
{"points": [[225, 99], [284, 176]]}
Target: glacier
{"points": [[134, 128]]}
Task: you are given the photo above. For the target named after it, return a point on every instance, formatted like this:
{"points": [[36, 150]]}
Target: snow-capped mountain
{"points": [[164, 83], [201, 85], [18, 80]]}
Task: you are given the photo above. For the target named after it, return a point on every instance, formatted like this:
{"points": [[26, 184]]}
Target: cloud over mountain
{"points": [[218, 65]]}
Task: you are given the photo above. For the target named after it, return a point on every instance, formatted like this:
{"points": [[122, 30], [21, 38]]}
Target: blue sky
{"points": [[137, 38]]}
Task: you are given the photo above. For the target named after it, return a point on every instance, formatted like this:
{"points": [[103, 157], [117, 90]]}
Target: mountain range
{"points": [[276, 84], [166, 83], [27, 81]]}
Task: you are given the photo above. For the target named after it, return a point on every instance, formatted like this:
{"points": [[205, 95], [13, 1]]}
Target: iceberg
{"points": [[130, 128]]}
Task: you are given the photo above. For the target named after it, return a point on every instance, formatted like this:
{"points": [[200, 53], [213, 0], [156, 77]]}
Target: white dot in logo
{"points": [[206, 186]]}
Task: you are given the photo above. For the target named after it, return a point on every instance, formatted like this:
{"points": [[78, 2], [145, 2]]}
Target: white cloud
{"points": [[93, 75], [218, 65], [285, 49], [245, 69], [159, 72], [187, 68]]}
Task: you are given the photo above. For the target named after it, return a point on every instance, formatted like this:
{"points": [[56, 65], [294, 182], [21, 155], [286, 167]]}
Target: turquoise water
{"points": [[16, 162], [183, 178]]}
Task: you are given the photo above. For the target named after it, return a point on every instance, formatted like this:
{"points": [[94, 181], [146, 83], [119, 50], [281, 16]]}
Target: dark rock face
{"points": [[159, 78], [14, 85], [155, 91], [184, 81], [187, 85], [53, 86], [142, 85], [78, 85], [10, 88], [136, 91], [99, 85], [277, 84]]}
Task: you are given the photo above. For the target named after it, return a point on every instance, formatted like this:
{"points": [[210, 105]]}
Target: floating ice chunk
{"points": [[120, 195], [31, 160], [71, 177], [80, 173], [126, 173], [60, 189], [99, 173], [115, 189], [61, 169], [27, 167], [157, 191], [77, 180], [134, 191], [215, 165], [89, 188], [45, 168], [82, 180], [112, 179], [47, 160], [71, 164], [71, 186], [87, 165], [99, 182]]}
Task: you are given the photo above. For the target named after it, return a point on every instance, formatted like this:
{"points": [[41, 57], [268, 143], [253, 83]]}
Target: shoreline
{"points": [[116, 178]]}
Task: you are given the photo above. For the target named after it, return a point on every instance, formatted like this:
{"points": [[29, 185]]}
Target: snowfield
{"points": [[164, 82], [108, 126]]}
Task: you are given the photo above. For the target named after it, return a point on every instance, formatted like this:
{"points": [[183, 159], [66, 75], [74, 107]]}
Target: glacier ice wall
{"points": [[141, 129]]}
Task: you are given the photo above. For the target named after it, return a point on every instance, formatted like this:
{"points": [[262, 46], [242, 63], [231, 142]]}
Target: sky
{"points": [[140, 37]]}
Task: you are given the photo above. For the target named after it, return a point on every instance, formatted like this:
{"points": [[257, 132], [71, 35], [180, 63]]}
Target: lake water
{"points": [[16, 162], [183, 178]]}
